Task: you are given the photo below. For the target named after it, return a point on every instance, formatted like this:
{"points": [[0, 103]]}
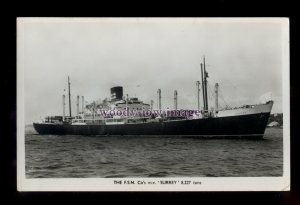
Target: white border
{"points": [[107, 184]]}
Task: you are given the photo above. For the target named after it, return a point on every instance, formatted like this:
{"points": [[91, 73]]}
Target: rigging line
{"points": [[222, 97], [211, 93]]}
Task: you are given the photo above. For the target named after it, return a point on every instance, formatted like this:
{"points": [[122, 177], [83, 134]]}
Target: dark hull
{"points": [[248, 126]]}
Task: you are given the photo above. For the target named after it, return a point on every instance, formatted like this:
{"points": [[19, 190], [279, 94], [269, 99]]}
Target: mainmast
{"points": [[198, 94], [64, 105], [204, 76], [205, 83], [203, 87], [69, 96]]}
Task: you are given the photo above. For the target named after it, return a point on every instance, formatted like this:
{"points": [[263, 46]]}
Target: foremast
{"points": [[70, 109]]}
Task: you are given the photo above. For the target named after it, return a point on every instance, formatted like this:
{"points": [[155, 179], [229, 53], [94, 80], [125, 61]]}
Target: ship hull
{"points": [[240, 126]]}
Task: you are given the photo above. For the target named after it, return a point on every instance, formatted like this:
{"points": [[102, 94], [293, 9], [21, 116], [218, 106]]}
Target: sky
{"points": [[143, 55]]}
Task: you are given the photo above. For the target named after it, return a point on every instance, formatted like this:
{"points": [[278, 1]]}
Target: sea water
{"points": [[70, 156]]}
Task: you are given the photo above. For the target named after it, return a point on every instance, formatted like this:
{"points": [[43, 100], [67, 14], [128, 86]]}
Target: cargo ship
{"points": [[124, 116]]}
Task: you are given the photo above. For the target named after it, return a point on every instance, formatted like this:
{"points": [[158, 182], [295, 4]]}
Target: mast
{"points": [[175, 100], [159, 99], [77, 104], [217, 93], [205, 83], [64, 105], [94, 108], [203, 87], [151, 104], [69, 96], [126, 102], [82, 104], [198, 94]]}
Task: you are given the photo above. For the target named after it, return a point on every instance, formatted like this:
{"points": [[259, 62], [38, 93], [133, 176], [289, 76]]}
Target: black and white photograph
{"points": [[153, 104]]}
